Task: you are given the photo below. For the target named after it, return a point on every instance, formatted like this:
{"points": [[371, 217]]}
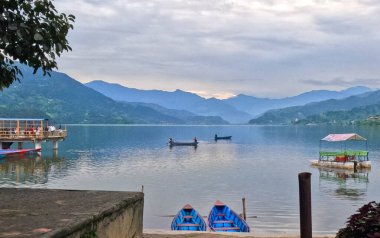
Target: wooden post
{"points": [[355, 166], [244, 212], [305, 204]]}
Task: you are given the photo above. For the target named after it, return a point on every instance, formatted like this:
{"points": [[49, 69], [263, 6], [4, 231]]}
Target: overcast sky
{"points": [[220, 48]]}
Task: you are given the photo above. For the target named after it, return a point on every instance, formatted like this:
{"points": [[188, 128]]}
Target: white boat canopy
{"points": [[343, 137]]}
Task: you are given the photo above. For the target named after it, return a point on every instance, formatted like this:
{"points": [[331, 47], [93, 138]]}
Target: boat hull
{"points": [[9, 152], [224, 219], [223, 138], [188, 219], [183, 144]]}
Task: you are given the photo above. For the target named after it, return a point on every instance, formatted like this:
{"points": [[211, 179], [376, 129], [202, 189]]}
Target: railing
{"points": [[32, 135]]}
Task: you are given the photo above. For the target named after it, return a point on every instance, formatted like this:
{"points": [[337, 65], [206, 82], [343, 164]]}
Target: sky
{"points": [[222, 48]]}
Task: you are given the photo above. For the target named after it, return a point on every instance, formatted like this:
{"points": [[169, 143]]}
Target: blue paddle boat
{"points": [[224, 219], [188, 219]]}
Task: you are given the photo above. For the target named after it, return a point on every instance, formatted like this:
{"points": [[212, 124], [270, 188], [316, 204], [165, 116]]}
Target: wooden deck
{"points": [[22, 136], [29, 130]]}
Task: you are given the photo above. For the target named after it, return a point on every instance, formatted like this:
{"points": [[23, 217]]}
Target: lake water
{"points": [[260, 163]]}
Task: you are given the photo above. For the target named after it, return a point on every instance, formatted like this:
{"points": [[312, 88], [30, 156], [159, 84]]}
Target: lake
{"points": [[260, 163]]}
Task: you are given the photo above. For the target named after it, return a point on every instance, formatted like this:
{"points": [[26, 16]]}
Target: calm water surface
{"points": [[259, 163]]}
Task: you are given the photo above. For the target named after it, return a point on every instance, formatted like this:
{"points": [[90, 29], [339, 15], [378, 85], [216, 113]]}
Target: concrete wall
{"points": [[70, 213]]}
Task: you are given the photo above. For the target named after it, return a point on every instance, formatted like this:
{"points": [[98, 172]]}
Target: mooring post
{"points": [[37, 144], [355, 166], [55, 145], [244, 213], [305, 204]]}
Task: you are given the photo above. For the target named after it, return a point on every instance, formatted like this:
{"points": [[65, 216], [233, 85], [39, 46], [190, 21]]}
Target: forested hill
{"points": [[65, 100], [352, 108]]}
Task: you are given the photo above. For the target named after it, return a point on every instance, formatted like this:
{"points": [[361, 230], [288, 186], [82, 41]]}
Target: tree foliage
{"points": [[32, 32], [365, 223]]}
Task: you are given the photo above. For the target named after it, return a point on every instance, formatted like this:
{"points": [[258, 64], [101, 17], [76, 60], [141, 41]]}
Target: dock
{"points": [[36, 131]]}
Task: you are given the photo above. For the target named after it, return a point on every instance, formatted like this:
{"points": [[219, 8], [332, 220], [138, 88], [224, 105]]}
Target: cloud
{"points": [[339, 82], [206, 46]]}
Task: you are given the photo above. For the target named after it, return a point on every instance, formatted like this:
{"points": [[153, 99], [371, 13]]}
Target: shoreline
{"points": [[147, 233]]}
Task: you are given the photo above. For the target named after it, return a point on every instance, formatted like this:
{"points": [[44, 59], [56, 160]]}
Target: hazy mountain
{"points": [[173, 100], [256, 106], [294, 114], [64, 100], [186, 116], [237, 109]]}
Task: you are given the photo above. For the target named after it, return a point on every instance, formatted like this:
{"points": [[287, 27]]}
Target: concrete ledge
{"points": [[70, 213], [206, 234]]}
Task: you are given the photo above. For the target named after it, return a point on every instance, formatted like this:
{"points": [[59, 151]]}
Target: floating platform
{"points": [[341, 165]]}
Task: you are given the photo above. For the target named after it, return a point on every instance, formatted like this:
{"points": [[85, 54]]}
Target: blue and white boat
{"points": [[188, 219], [224, 219]]}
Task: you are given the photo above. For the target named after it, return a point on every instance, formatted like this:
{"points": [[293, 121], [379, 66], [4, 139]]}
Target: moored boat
{"points": [[9, 152], [224, 219], [188, 219]]}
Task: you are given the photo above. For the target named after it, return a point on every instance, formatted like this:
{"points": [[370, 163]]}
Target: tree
{"points": [[32, 32]]}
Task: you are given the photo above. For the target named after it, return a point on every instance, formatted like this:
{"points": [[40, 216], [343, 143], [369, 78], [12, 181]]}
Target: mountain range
{"points": [[62, 99], [65, 100], [357, 107], [239, 109]]}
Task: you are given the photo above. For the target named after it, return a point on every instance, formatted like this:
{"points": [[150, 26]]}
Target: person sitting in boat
{"points": [[195, 140]]}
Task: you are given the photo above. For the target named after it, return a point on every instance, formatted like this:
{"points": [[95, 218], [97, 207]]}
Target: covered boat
{"points": [[188, 219], [224, 219], [342, 157]]}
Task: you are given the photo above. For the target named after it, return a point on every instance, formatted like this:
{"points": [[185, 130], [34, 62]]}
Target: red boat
{"points": [[9, 152]]}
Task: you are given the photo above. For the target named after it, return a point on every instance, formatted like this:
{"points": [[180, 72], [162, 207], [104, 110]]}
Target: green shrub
{"points": [[364, 224]]}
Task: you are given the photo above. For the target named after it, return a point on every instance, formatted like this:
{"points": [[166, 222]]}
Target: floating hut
{"points": [[22, 130], [343, 158]]}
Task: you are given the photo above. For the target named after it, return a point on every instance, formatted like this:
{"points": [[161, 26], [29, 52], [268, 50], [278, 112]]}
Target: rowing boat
{"points": [[188, 219], [223, 137], [183, 143], [224, 219]]}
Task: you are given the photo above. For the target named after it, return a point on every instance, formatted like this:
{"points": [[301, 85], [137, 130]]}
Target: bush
{"points": [[364, 224]]}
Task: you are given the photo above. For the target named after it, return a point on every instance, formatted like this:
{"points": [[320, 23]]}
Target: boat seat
{"points": [[222, 221], [188, 224], [220, 214], [226, 228], [188, 216]]}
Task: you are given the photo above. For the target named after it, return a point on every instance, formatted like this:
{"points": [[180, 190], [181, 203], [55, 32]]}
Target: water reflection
{"points": [[30, 169], [344, 184]]}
